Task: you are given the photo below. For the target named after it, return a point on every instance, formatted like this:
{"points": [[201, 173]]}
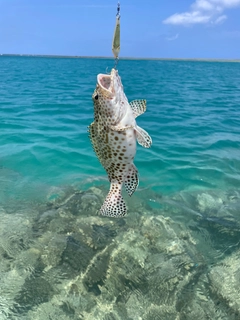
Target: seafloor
{"points": [[60, 260]]}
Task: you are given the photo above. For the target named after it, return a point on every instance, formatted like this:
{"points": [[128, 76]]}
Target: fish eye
{"points": [[96, 97]]}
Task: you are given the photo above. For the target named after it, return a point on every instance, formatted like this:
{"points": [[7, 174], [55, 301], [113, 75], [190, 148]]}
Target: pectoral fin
{"points": [[138, 107], [143, 138]]}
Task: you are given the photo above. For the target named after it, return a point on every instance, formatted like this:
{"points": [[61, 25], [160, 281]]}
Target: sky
{"points": [[149, 28]]}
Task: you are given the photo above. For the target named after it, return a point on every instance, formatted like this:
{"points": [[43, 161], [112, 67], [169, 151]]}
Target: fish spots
{"points": [[116, 138]]}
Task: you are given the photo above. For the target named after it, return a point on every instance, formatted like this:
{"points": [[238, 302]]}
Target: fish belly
{"points": [[123, 149]]}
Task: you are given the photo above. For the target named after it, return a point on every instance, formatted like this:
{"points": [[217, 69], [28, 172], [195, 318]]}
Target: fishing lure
{"points": [[116, 36]]}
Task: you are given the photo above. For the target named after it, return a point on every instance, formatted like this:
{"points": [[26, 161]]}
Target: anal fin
{"points": [[143, 138], [131, 180]]}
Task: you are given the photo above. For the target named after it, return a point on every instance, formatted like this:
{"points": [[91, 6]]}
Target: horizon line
{"points": [[112, 58]]}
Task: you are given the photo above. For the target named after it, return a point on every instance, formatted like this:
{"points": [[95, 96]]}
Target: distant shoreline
{"points": [[121, 58]]}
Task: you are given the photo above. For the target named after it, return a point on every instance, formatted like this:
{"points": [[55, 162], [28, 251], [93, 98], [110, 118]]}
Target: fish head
{"points": [[109, 86], [109, 96]]}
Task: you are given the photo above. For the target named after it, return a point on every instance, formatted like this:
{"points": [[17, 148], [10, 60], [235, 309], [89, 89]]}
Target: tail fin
{"points": [[114, 204]]}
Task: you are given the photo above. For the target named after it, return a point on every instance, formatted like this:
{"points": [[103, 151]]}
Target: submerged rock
{"points": [[74, 264], [224, 281]]}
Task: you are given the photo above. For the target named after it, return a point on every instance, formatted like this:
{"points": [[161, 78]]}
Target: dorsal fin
{"points": [[138, 107], [143, 138]]}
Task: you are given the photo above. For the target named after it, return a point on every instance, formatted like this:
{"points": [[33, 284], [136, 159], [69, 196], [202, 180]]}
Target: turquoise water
{"points": [[192, 116], [191, 173]]}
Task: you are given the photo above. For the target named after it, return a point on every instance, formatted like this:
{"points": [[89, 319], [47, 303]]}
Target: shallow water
{"points": [[183, 225]]}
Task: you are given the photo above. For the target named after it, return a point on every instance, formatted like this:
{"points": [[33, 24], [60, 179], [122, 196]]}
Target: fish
{"points": [[113, 134]]}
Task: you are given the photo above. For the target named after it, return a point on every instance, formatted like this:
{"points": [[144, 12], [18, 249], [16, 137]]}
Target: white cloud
{"points": [[187, 18], [220, 19], [203, 11], [173, 37], [202, 5]]}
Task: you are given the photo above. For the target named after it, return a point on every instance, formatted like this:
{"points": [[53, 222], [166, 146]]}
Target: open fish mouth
{"points": [[106, 81]]}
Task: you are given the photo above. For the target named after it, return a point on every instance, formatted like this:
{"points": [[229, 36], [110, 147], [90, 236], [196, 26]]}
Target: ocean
{"points": [[177, 253]]}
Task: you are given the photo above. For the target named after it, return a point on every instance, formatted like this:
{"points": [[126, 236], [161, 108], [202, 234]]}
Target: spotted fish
{"points": [[113, 134]]}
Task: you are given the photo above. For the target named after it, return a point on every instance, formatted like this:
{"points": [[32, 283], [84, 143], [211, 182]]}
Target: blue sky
{"points": [[151, 28]]}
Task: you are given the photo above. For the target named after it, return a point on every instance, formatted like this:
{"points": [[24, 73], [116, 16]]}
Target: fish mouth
{"points": [[105, 82]]}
